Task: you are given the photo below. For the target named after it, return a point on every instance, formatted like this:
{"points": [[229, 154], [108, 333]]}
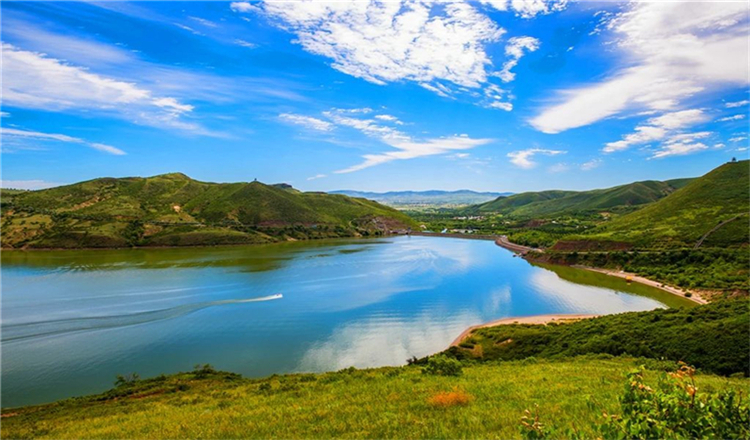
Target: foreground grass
{"points": [[486, 401]]}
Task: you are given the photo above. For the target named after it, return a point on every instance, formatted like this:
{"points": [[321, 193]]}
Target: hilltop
{"points": [[431, 198], [173, 209], [556, 202]]}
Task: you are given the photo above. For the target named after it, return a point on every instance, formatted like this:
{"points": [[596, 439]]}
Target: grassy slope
{"points": [[713, 337], [376, 403], [552, 203], [680, 219], [97, 213]]}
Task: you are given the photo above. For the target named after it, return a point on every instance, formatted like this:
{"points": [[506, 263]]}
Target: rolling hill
{"points": [[713, 207], [552, 203], [432, 198], [173, 209]]}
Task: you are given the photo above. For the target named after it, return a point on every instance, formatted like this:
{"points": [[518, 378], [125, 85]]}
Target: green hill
{"points": [[173, 209], [714, 207], [552, 203]]}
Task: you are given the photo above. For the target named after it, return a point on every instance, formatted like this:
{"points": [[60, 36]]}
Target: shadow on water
{"points": [[246, 258], [589, 278]]}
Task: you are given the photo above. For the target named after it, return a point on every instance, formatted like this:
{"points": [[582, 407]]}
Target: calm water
{"points": [[72, 320]]}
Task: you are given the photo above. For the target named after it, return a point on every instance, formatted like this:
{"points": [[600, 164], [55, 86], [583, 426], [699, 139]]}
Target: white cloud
{"points": [[16, 135], [28, 184], [522, 158], [674, 50], [731, 118], [389, 118], [406, 147], [244, 43], [514, 50], [737, 104], [189, 29], [679, 149], [306, 121], [241, 6], [719, 146], [4, 115], [33, 80], [317, 176], [393, 41], [657, 128], [590, 165], [738, 139], [527, 8], [682, 144], [204, 22]]}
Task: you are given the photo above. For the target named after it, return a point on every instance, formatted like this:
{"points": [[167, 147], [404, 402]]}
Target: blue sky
{"points": [[494, 95]]}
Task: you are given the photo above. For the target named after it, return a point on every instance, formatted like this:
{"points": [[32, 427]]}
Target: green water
{"points": [[72, 320]]}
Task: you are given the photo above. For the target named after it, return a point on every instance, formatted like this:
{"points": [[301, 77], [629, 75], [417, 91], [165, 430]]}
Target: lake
{"points": [[73, 320]]}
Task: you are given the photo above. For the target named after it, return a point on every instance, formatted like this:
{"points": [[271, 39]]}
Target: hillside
{"points": [[437, 397], [552, 203], [433, 198], [714, 207], [173, 209]]}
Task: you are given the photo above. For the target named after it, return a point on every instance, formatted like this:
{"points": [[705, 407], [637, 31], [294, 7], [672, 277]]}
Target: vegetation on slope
{"points": [[172, 209], [554, 203], [713, 269], [712, 337], [681, 219], [486, 401]]}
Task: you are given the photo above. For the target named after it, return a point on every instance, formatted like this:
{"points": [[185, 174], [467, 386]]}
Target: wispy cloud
{"points": [[514, 50], [682, 144], [316, 177], [731, 118], [522, 158], [405, 146], [591, 164], [13, 134], [658, 128], [737, 104], [243, 43], [675, 50], [527, 8], [306, 121]]}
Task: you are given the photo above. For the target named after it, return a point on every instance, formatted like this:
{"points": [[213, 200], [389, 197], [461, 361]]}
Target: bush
{"points": [[675, 410], [442, 366]]}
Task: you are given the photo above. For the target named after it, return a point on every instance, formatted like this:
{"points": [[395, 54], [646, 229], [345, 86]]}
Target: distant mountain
{"points": [[552, 203], [435, 198], [173, 209], [714, 207]]}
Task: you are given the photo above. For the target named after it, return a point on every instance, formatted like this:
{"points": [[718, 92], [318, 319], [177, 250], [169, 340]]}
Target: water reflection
{"points": [[345, 303]]}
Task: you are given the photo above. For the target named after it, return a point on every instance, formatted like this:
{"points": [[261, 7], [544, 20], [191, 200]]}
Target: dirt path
{"points": [[705, 236], [503, 241], [537, 319], [638, 279]]}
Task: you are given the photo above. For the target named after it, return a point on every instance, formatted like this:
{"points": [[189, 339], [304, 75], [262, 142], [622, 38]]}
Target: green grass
{"points": [[375, 403], [174, 210], [711, 337], [681, 219], [555, 203]]}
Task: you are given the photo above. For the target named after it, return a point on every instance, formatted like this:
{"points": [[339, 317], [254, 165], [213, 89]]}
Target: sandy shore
{"points": [[637, 279], [537, 319]]}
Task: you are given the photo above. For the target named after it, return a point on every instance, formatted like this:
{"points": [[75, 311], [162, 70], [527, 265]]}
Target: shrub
{"points": [[446, 399], [203, 371], [674, 410], [442, 366], [127, 379]]}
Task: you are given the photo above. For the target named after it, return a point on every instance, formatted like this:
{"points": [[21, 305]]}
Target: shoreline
{"points": [[695, 297], [534, 320]]}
